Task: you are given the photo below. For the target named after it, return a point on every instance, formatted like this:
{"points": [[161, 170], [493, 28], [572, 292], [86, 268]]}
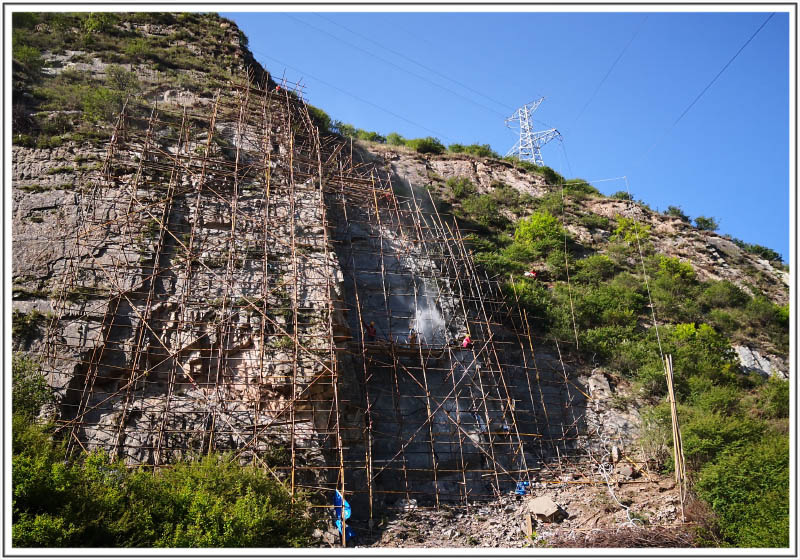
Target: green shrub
{"points": [[706, 435], [29, 58], [723, 399], [427, 145], [606, 305], [478, 150], [29, 390], [706, 224], [722, 294], [594, 269], [26, 326], [482, 210], [102, 105], [320, 118], [99, 22], [533, 297], [594, 221], [748, 489], [541, 232], [461, 187], [394, 139], [370, 136], [138, 49], [630, 231], [604, 341], [622, 195], [580, 188], [677, 212], [495, 263], [773, 398], [723, 321], [212, 502], [760, 250]]}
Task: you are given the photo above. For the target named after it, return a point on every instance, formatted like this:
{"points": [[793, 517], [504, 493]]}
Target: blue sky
{"points": [[457, 76]]}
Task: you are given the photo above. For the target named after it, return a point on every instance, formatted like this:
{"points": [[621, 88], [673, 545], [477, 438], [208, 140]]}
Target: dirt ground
{"points": [[636, 508]]}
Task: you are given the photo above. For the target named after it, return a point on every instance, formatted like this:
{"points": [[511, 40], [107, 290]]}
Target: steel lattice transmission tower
{"points": [[528, 146]]}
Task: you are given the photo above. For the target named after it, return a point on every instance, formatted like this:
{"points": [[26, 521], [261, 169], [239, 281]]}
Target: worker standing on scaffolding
{"points": [[412, 337], [467, 342], [371, 332]]}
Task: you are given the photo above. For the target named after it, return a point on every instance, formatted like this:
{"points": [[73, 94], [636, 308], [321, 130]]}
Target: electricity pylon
{"points": [[530, 142]]}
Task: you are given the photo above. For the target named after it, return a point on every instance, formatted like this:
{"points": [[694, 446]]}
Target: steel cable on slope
{"points": [[354, 96]]}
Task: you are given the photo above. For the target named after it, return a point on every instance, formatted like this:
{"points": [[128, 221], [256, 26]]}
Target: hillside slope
{"points": [[196, 264]]}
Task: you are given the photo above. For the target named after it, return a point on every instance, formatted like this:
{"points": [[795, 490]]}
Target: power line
{"points": [[611, 69], [705, 89], [423, 78], [354, 96], [428, 68]]}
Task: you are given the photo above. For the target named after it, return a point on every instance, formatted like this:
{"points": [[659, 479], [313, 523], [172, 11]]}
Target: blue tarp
{"points": [[522, 487], [337, 509], [349, 533]]}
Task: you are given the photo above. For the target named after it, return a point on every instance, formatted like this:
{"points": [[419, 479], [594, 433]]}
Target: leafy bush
{"points": [[580, 188], [723, 399], [773, 398], [760, 250], [622, 195], [369, 136], [478, 150], [102, 104], [541, 232], [706, 224], [29, 58], [722, 294], [347, 130], [394, 139], [482, 210], [427, 145], [26, 326], [705, 435], [748, 489], [495, 263], [29, 390], [461, 187], [533, 297], [138, 49], [594, 221], [676, 212], [87, 502], [629, 230], [594, 269], [99, 22], [320, 118]]}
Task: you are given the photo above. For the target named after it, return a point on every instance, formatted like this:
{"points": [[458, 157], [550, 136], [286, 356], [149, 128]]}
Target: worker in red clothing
{"points": [[371, 332], [467, 343]]}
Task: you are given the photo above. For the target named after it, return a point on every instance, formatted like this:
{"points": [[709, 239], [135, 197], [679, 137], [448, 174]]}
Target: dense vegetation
{"points": [[87, 501], [734, 424], [49, 110]]}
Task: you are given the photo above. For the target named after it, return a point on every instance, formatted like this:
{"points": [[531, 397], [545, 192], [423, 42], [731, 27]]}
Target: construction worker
{"points": [[371, 332], [467, 343], [412, 337]]}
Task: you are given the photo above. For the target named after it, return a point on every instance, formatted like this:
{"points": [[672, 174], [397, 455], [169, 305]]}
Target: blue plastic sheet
{"points": [[522, 487], [338, 500], [349, 533]]}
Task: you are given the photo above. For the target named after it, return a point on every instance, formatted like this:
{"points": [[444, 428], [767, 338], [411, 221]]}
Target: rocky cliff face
{"points": [[201, 272]]}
